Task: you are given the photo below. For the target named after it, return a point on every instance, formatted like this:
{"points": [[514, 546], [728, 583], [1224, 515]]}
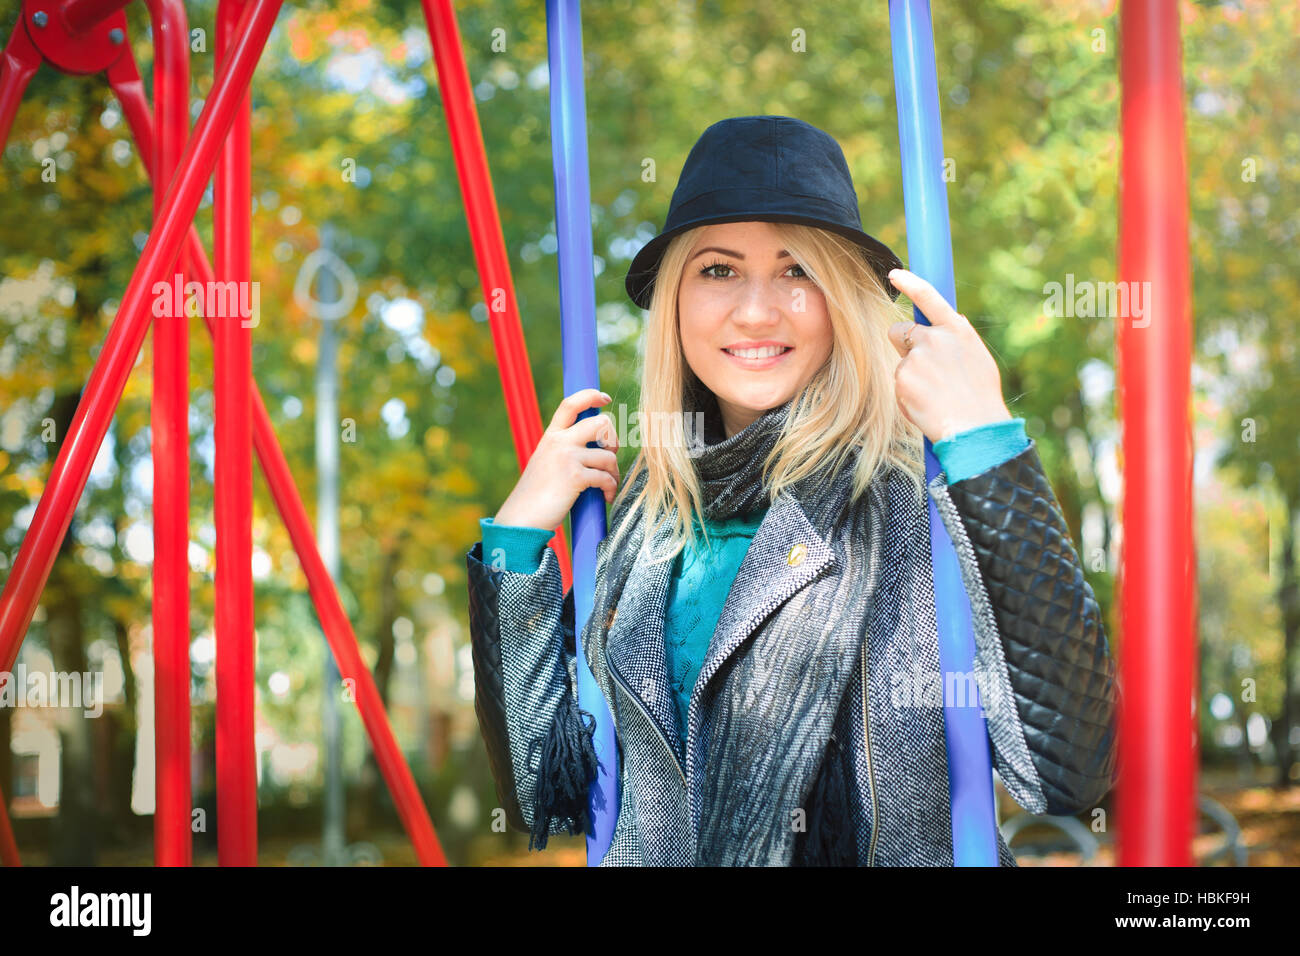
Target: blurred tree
{"points": [[1244, 94]]}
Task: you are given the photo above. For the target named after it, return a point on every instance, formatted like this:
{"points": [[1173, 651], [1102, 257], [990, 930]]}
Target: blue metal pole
{"points": [[578, 334], [929, 250]]}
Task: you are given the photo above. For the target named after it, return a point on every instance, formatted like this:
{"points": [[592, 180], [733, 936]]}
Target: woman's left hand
{"points": [[947, 381]]}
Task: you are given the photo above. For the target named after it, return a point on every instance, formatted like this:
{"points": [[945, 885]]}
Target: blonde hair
{"points": [[848, 404]]}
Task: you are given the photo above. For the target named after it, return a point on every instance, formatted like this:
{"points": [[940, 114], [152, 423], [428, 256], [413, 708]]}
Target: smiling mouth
{"points": [[769, 351]]}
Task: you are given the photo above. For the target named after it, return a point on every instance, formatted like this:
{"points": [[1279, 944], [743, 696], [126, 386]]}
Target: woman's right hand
{"points": [[562, 466]]}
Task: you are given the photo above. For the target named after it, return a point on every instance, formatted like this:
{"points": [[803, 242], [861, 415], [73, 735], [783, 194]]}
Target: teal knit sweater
{"points": [[702, 575]]}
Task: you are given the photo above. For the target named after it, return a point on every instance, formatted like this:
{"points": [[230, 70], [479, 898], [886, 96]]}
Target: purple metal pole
{"points": [[929, 249], [578, 331]]}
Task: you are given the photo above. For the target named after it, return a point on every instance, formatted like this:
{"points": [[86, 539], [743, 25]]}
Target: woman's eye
{"points": [[709, 271]]}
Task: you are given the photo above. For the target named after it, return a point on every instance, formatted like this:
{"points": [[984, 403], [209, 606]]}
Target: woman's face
{"points": [[741, 292]]}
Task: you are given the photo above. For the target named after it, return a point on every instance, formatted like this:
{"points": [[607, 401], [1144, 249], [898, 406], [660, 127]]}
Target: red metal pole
{"points": [[8, 846], [170, 435], [339, 635], [71, 468], [489, 244], [1155, 801], [18, 64], [233, 489]]}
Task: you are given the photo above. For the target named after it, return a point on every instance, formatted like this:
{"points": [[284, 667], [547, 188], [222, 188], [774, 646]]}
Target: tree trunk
{"points": [[6, 759], [372, 781], [387, 617], [74, 835], [122, 741]]}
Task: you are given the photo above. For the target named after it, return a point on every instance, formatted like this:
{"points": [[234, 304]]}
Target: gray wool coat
{"points": [[801, 662]]}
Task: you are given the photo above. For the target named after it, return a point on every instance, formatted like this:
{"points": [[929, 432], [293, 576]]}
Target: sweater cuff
{"points": [[520, 547], [976, 450]]}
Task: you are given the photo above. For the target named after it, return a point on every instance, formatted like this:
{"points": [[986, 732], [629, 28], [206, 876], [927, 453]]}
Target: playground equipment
{"points": [[581, 370], [89, 36], [1156, 795]]}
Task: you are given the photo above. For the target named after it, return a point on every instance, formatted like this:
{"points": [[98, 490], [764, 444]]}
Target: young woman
{"points": [[764, 628]]}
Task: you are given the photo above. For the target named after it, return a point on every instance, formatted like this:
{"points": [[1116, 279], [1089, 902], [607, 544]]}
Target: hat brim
{"points": [[645, 264]]}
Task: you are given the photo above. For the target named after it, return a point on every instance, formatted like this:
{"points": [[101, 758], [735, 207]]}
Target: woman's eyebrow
{"points": [[783, 254]]}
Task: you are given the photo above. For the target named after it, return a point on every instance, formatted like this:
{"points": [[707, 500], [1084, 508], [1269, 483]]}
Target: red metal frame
{"points": [[1158, 754], [108, 378], [170, 437], [19, 63], [233, 487], [1156, 794], [81, 41], [339, 635], [85, 41], [8, 846]]}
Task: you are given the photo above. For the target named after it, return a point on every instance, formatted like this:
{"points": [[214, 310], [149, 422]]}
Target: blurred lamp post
{"points": [[338, 294]]}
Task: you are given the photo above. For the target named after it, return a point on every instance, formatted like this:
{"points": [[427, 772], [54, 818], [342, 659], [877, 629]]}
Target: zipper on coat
{"points": [[871, 780], [637, 701]]}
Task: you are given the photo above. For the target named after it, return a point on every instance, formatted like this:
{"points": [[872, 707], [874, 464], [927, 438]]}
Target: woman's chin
{"points": [[755, 401]]}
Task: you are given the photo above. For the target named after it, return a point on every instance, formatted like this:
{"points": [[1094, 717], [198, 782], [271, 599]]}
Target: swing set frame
{"points": [[1156, 792]]}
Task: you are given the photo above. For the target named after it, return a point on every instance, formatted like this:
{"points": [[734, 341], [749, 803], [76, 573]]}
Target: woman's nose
{"points": [[762, 301]]}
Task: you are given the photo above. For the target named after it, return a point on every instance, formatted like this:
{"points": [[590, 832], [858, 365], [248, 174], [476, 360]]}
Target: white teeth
{"points": [[767, 352]]}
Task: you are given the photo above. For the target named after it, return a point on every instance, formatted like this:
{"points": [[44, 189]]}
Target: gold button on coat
{"points": [[797, 554]]}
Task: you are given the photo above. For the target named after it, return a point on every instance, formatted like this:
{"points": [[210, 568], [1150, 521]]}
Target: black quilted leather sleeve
{"points": [[1058, 660], [489, 682]]}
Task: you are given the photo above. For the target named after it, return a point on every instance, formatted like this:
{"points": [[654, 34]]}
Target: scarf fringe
{"points": [[567, 768]]}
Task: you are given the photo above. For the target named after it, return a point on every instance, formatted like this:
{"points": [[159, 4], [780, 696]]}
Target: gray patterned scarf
{"points": [[730, 469]]}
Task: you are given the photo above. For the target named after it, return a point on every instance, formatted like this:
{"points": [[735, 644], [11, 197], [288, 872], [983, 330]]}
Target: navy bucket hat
{"points": [[765, 168]]}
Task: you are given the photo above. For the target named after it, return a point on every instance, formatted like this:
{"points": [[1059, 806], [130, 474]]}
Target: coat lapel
{"points": [[785, 555]]}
